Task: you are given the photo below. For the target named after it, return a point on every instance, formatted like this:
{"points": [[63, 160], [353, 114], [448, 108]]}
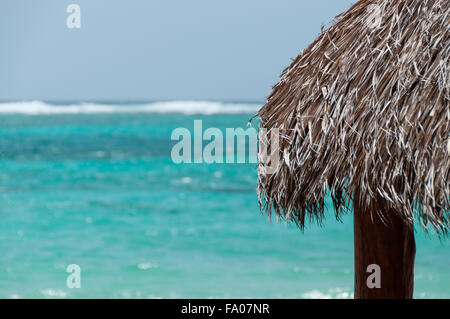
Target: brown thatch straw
{"points": [[365, 110]]}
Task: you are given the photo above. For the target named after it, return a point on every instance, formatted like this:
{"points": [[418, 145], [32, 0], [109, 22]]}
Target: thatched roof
{"points": [[365, 110]]}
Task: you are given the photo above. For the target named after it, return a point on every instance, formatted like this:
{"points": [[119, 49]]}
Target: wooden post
{"points": [[391, 246]]}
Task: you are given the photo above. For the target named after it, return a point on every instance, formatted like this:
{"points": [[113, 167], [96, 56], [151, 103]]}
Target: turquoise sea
{"points": [[94, 185]]}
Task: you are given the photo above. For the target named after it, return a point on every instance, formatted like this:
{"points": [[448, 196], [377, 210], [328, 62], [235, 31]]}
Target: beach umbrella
{"points": [[362, 116]]}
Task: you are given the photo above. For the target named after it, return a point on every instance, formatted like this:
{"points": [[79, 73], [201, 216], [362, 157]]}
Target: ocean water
{"points": [[94, 185]]}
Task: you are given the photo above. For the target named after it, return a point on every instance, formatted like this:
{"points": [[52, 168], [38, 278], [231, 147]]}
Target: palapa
{"points": [[363, 115]]}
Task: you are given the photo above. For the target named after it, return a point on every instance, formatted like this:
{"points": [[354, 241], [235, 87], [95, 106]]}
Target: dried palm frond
{"points": [[365, 110]]}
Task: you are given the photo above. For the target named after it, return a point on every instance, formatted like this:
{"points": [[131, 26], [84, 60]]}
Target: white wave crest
{"points": [[333, 293], [181, 107]]}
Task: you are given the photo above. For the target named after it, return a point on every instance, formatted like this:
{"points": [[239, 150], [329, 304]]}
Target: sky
{"points": [[146, 50]]}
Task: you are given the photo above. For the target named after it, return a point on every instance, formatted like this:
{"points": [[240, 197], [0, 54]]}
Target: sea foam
{"points": [[181, 107]]}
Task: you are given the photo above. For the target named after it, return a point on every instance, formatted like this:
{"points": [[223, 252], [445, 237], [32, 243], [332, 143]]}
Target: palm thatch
{"points": [[363, 114]]}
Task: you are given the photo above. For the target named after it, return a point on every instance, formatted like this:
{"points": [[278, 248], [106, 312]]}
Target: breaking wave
{"points": [[181, 107]]}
